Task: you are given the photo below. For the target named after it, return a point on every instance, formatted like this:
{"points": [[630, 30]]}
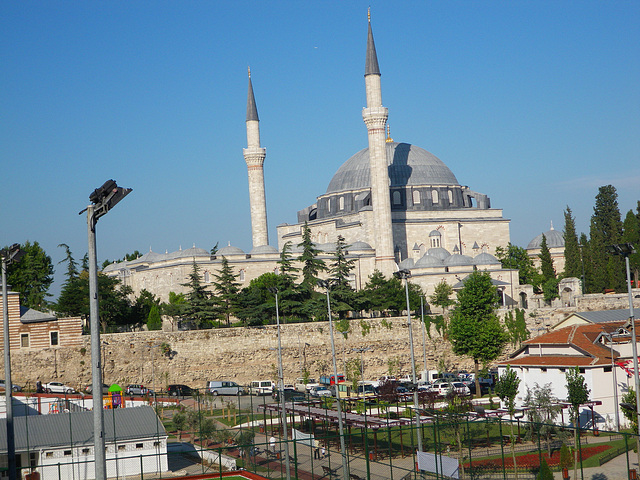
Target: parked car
{"points": [[179, 390], [57, 387], [14, 387], [320, 391], [442, 388], [485, 387], [224, 387], [290, 395], [136, 390], [261, 387], [89, 388]]}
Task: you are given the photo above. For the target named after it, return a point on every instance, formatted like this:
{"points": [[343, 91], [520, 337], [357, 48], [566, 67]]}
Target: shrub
{"points": [[545, 472]]}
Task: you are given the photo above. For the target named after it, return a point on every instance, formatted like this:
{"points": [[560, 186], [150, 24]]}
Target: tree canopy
{"points": [[31, 276]]}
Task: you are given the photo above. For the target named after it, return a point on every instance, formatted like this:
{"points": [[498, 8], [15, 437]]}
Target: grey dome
{"points": [[409, 165], [326, 247], [229, 250], [555, 239], [263, 249], [485, 259], [429, 261], [194, 252], [360, 246], [458, 260], [149, 257], [439, 252], [406, 263], [435, 233]]}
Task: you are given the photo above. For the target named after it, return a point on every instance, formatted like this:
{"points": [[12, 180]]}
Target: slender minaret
{"points": [[375, 118], [254, 155]]}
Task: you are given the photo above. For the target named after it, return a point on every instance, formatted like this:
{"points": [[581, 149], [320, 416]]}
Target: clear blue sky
{"points": [[534, 103]]}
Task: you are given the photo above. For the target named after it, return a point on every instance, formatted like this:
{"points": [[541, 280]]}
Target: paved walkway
{"points": [[615, 469]]}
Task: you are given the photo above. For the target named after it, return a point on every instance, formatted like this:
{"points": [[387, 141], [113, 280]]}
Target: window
{"points": [[416, 197], [48, 454], [582, 370], [53, 336], [156, 444], [341, 203], [139, 446], [24, 340], [543, 370], [86, 451], [450, 193], [206, 277], [328, 204], [121, 448], [397, 198], [434, 196], [67, 453], [607, 369], [242, 275]]}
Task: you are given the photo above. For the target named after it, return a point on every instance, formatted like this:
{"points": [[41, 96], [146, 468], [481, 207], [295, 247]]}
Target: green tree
{"points": [[507, 390], [518, 258], [71, 299], [572, 266], [474, 329], [142, 307], [199, 307], [587, 264], [543, 408], [630, 409], [286, 262], [31, 276], [72, 265], [311, 264], [606, 230], [631, 234], [342, 294], [545, 472], [154, 322], [256, 304], [517, 330], [442, 296], [577, 394], [226, 288], [174, 307], [546, 262]]}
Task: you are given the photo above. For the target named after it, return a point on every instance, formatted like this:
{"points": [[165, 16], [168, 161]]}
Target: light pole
{"points": [[582, 263], [361, 350], [283, 413], [626, 249], [424, 340], [610, 336], [345, 465], [405, 274], [305, 374], [9, 255], [102, 200]]}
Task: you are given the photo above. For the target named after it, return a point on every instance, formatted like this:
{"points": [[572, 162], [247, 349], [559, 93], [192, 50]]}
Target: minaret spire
{"points": [[375, 118], [254, 155]]}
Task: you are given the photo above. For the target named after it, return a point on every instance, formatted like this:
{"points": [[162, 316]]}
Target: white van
{"points": [[224, 387], [261, 387]]}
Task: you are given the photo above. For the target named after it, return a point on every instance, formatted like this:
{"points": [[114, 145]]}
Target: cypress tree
{"points": [[226, 288], [631, 234], [606, 230], [546, 262], [572, 267], [311, 264], [587, 264]]}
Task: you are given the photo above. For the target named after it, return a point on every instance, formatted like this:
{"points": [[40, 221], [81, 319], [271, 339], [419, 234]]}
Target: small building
{"points": [[62, 445], [30, 329], [596, 349]]}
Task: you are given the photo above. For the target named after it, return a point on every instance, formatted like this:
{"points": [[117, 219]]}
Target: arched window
{"points": [[397, 198], [434, 239], [341, 203], [416, 197], [434, 196], [450, 193], [206, 277], [242, 275], [328, 205]]}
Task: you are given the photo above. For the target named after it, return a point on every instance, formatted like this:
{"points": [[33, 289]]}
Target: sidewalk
{"points": [[616, 469]]}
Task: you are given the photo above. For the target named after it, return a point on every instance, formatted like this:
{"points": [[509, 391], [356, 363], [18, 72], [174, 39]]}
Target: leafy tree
{"points": [[388, 295], [546, 262], [517, 257], [72, 265], [31, 276], [507, 390], [311, 264], [572, 266], [517, 330], [339, 271], [256, 304], [606, 229], [550, 289], [543, 410], [226, 289], [142, 306], [577, 394], [174, 307], [442, 296], [630, 412], [199, 307], [631, 234], [154, 322], [474, 329]]}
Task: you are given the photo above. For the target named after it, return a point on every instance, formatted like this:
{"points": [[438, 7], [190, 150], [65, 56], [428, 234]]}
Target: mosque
{"points": [[397, 206]]}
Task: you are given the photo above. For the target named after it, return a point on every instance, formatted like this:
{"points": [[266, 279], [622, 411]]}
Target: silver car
{"points": [[57, 387]]}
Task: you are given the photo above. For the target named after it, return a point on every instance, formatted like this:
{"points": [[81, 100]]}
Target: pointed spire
{"points": [[389, 139], [252, 110], [371, 67], [551, 224]]}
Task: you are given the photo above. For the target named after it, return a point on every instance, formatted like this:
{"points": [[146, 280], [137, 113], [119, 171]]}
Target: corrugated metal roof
{"points": [[67, 429], [604, 316]]}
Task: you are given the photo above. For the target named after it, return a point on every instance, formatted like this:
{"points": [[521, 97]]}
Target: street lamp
{"points": [[361, 350], [102, 200], [9, 255], [626, 249], [405, 274], [345, 466], [283, 413], [609, 336], [424, 340]]}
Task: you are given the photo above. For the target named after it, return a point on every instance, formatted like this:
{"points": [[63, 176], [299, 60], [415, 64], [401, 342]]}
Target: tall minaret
{"points": [[254, 155], [375, 118]]}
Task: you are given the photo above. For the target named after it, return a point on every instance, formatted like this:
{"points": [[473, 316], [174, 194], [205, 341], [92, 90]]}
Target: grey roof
{"points": [[494, 282], [371, 66], [360, 246], [252, 110], [485, 259], [263, 249], [435, 233], [439, 252], [194, 252], [555, 239], [29, 315], [59, 430], [229, 250], [148, 257], [408, 165], [429, 261], [603, 316], [458, 260], [406, 263]]}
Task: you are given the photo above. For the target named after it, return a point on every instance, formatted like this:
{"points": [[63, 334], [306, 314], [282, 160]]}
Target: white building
{"points": [[589, 346], [61, 446]]}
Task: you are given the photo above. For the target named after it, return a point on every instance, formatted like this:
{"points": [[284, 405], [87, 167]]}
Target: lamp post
{"points": [[102, 200], [405, 274], [283, 413], [424, 340], [304, 360], [581, 263], [610, 336], [626, 249], [345, 466], [361, 350], [9, 255]]}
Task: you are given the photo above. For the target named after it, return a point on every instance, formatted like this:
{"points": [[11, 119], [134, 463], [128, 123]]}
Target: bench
{"points": [[330, 472]]}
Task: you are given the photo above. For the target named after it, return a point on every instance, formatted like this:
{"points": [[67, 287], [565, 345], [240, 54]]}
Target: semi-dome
{"points": [[555, 239], [409, 165]]}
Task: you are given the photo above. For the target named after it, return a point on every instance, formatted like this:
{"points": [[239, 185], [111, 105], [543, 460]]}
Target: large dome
{"points": [[409, 165], [555, 239]]}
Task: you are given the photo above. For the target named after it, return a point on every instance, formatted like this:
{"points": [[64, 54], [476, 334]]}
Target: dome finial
{"points": [[389, 139], [551, 225], [249, 71], [369, 14]]}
